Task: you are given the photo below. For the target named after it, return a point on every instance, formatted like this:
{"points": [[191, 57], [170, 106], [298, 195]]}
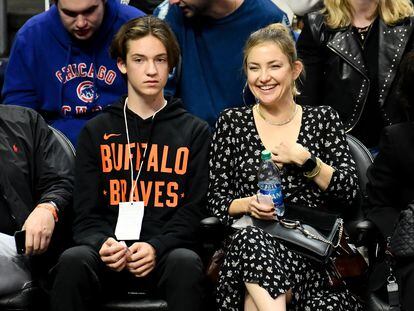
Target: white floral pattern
{"points": [[255, 256]]}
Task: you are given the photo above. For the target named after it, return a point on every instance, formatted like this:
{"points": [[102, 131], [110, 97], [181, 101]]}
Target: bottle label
{"points": [[276, 193]]}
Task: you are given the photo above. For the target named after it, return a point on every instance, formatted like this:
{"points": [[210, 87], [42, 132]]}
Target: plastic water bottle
{"points": [[269, 181]]}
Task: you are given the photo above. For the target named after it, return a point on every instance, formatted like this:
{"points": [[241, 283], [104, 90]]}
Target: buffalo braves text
{"points": [[167, 162]]}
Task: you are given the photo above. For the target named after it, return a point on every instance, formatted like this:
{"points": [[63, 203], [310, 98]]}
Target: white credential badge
{"points": [[129, 223]]}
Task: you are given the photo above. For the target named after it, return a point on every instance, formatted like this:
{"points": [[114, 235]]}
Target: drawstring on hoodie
{"points": [[134, 183], [95, 87]]}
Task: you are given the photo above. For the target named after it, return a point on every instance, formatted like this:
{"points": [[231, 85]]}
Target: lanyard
{"points": [[134, 183]]}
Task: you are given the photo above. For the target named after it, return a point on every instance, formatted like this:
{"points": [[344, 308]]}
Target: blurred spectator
{"points": [[60, 66], [298, 7], [36, 181], [146, 6], [211, 34], [351, 53], [391, 184]]}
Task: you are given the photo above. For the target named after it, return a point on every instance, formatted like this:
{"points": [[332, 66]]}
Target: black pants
{"points": [[81, 280]]}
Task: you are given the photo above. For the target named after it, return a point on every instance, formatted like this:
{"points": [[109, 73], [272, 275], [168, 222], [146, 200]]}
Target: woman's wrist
{"points": [[314, 172], [301, 157], [240, 206]]}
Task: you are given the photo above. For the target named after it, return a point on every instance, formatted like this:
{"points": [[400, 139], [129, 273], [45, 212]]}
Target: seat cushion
{"points": [[135, 301]]}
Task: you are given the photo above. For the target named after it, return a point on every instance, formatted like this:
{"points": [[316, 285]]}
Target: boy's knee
{"points": [[77, 261], [184, 263]]}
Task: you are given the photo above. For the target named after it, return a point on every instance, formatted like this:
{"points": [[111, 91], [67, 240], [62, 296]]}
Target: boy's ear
{"points": [[121, 65]]}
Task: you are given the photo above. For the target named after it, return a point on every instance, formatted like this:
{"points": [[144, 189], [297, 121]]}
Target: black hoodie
{"points": [[173, 182]]}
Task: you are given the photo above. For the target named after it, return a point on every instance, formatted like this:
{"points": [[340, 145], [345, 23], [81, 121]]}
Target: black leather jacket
{"points": [[336, 74]]}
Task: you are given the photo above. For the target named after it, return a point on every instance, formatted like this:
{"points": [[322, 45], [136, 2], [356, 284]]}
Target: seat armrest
{"points": [[366, 225], [210, 222], [368, 233], [213, 232]]}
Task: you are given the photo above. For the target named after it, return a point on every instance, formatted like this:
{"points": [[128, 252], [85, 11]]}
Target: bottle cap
{"points": [[266, 155]]}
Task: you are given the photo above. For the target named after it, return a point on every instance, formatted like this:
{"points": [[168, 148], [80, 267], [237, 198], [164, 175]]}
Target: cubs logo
{"points": [[85, 91]]}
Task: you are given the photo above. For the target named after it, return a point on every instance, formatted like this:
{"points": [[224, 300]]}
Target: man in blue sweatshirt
{"points": [[211, 34], [60, 65]]}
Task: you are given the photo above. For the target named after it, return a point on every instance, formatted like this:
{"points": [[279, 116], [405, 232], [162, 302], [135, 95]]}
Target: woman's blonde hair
{"points": [[277, 34], [339, 12]]}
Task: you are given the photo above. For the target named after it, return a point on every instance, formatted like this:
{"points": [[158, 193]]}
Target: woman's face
{"points": [[146, 66], [270, 75]]}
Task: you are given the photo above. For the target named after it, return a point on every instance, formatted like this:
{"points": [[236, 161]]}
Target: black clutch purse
{"points": [[304, 238], [402, 240], [311, 232]]}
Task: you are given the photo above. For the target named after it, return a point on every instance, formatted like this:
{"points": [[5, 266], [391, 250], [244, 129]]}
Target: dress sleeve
{"points": [[221, 190], [344, 183]]}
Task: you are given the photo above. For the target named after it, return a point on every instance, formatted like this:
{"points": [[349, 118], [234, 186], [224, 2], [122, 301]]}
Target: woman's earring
{"points": [[248, 96]]}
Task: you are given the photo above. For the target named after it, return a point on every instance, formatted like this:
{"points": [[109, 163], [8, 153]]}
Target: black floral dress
{"points": [[253, 255]]}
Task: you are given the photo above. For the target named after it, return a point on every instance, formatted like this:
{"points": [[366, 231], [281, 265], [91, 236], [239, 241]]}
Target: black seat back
{"points": [[363, 159], [65, 142]]}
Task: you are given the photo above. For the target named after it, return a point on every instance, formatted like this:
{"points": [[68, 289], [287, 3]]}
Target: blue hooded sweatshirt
{"points": [[67, 80]]}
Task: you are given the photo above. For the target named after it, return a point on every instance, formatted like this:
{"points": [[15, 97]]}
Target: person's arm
{"points": [[181, 230], [90, 227], [19, 88], [295, 153], [223, 200], [335, 173], [343, 185], [221, 190], [384, 186], [54, 168], [53, 182], [311, 53]]}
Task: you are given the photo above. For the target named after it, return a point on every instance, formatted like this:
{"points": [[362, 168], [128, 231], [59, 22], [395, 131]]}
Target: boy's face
{"points": [[146, 66], [81, 18]]}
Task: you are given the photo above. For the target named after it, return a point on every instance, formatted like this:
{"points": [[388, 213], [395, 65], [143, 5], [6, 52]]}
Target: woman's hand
{"points": [[289, 152], [261, 210]]}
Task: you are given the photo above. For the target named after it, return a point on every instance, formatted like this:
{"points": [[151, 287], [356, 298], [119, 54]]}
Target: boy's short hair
{"points": [[141, 27]]}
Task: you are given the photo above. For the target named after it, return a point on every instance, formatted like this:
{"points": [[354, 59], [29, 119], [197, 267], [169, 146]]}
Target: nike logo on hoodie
{"points": [[107, 136]]}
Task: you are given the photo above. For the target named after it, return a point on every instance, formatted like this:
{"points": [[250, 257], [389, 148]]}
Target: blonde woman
{"points": [[351, 51], [261, 272]]}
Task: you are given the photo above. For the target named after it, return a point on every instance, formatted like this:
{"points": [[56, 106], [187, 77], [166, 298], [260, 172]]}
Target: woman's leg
{"points": [[254, 257], [249, 304], [263, 300]]}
